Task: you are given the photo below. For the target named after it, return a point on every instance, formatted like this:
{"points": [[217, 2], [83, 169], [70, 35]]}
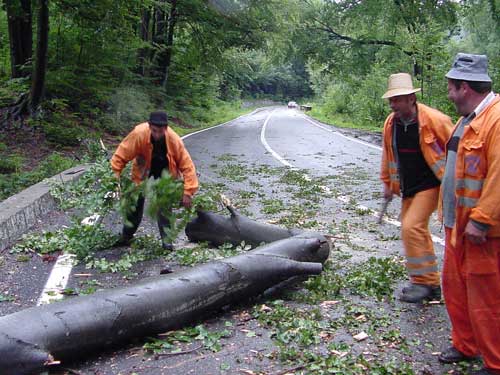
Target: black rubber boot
{"points": [[167, 246], [416, 293], [124, 240], [452, 355]]}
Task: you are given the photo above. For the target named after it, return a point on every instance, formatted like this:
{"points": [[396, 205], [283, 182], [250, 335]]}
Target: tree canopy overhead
{"points": [[96, 56]]}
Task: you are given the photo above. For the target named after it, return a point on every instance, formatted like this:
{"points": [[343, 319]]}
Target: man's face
{"points": [[402, 105], [157, 132], [457, 96]]}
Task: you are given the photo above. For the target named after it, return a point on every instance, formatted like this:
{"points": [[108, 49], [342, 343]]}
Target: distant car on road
{"points": [[292, 104]]}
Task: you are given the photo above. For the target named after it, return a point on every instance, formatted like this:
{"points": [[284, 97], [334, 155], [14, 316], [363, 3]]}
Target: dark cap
{"points": [[158, 118], [469, 67]]}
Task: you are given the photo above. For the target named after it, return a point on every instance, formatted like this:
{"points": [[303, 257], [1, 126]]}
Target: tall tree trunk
{"points": [[38, 78], [145, 36], [158, 38], [172, 18], [20, 36], [164, 38]]}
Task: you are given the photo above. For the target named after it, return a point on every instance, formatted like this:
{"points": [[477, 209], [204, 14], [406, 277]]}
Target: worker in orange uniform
{"points": [[413, 160], [471, 216], [154, 147]]}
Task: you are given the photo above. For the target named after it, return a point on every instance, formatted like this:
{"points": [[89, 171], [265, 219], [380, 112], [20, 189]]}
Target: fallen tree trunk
{"points": [[31, 339], [218, 229]]}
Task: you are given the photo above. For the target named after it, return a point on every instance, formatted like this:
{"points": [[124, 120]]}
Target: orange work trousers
{"points": [[421, 261], [471, 288]]}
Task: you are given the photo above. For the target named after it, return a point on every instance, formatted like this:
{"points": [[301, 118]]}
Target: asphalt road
{"points": [[264, 163]]}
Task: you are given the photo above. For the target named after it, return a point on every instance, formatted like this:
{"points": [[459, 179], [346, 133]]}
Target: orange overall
{"points": [[434, 131], [137, 146], [471, 273]]}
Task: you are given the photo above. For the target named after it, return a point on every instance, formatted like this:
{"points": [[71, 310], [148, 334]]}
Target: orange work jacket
{"points": [[137, 146], [477, 172], [434, 129]]}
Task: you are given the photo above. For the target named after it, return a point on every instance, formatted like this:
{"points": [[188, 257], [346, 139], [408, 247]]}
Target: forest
{"points": [[76, 71]]}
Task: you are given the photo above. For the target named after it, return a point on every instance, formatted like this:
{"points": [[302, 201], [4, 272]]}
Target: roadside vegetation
{"points": [[104, 65], [96, 70]]}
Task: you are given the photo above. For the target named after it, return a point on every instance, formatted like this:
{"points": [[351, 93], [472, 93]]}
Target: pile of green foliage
{"points": [[93, 199]]}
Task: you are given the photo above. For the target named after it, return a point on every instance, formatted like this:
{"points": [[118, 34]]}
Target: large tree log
{"points": [[32, 338], [218, 229]]}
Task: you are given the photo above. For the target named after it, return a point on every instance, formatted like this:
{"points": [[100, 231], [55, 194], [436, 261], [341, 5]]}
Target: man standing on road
{"points": [[413, 160], [154, 147], [471, 215]]}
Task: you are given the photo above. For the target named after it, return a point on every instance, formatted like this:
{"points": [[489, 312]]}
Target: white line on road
{"points": [[58, 279], [342, 198], [266, 145]]}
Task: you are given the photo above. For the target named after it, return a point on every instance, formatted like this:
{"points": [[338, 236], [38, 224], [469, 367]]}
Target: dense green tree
{"points": [[104, 56]]}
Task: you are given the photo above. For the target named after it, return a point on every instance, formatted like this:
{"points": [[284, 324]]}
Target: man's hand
{"points": [[385, 204], [187, 200], [387, 193], [474, 235]]}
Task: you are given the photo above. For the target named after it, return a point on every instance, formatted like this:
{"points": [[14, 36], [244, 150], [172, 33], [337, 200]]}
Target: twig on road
{"points": [[290, 370], [180, 352], [71, 371]]}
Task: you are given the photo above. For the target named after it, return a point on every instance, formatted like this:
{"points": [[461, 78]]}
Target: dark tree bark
{"points": [[172, 19], [145, 35], [218, 229], [158, 37], [164, 40], [31, 339], [20, 36], [40, 69]]}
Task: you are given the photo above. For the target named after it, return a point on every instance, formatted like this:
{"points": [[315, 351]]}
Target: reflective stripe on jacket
{"points": [[434, 129], [477, 171], [137, 146]]}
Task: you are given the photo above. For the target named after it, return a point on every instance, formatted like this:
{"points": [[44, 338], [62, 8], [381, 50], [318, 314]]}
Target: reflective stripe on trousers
{"points": [[421, 260]]}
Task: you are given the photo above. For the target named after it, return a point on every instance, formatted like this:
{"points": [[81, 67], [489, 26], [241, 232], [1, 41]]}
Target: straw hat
{"points": [[399, 84]]}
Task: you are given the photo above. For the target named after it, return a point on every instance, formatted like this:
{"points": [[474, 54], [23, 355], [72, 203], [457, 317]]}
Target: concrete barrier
{"points": [[20, 212]]}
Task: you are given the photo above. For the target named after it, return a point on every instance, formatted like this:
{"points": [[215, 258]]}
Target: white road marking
{"points": [[343, 198], [266, 145], [60, 273], [58, 279]]}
